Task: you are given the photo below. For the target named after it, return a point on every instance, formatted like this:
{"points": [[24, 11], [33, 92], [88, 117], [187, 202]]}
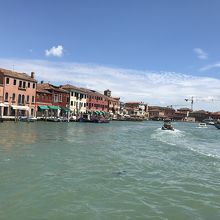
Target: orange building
{"points": [[19, 91]]}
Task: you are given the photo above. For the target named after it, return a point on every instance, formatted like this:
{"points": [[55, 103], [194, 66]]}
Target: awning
{"points": [[43, 107], [53, 107], [65, 109], [26, 108], [3, 105]]}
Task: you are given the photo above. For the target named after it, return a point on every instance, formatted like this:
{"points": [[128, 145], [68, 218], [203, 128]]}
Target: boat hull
{"points": [[217, 125]]}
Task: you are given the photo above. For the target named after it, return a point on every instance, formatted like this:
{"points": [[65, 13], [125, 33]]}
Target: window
{"points": [[15, 82], [7, 80], [27, 98], [24, 85], [29, 85], [19, 99], [71, 103], [56, 98], [33, 85], [6, 97], [20, 84], [60, 97], [13, 97], [84, 104], [72, 93], [23, 99], [32, 99]]}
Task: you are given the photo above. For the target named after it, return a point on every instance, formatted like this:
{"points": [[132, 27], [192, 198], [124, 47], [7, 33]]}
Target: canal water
{"points": [[120, 171]]}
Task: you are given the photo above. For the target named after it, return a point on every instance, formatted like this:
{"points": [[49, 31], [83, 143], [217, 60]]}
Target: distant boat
{"points": [[202, 125], [167, 125], [209, 121], [27, 119]]}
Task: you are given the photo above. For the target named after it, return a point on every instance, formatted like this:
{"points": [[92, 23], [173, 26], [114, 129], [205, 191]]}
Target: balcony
{"points": [[21, 88]]}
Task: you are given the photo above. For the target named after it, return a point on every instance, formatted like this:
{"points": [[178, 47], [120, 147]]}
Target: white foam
{"points": [[167, 136]]}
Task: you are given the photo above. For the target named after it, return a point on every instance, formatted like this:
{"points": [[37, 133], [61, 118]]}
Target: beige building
{"points": [[77, 101], [113, 103], [135, 109], [19, 92]]}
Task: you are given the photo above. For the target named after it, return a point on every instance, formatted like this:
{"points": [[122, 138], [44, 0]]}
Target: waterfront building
{"points": [[1, 96], [113, 103], [135, 109], [199, 115], [59, 105], [215, 116], [17, 94], [44, 99], [158, 112], [96, 102], [78, 98]]}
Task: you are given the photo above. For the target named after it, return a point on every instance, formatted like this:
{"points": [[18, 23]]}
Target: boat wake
{"points": [[170, 137], [187, 142]]}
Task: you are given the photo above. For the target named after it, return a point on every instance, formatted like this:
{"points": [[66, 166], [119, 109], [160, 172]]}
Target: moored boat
{"points": [[217, 124], [27, 119]]}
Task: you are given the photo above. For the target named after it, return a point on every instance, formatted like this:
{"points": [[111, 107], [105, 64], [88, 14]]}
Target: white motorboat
{"points": [[202, 125]]}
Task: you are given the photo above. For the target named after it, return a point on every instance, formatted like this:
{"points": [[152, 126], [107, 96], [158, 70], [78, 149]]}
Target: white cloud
{"points": [[201, 54], [211, 66], [162, 88], [55, 51]]}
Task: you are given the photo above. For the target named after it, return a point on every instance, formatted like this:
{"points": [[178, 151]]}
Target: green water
{"points": [[121, 170]]}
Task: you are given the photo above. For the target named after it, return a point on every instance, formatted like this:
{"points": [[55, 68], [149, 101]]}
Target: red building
{"points": [[53, 98], [96, 101]]}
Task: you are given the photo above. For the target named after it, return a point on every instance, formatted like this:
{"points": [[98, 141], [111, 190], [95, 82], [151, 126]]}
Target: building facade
{"points": [[96, 101], [158, 112], [59, 105], [113, 103], [44, 99], [19, 93], [78, 99], [135, 109]]}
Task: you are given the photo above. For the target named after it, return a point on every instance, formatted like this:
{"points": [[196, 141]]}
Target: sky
{"points": [[155, 51]]}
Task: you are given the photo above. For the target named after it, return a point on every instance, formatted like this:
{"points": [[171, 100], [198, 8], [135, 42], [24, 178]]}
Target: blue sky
{"points": [[141, 37]]}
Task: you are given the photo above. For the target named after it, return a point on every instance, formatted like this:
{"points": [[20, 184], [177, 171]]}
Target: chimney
{"points": [[32, 75]]}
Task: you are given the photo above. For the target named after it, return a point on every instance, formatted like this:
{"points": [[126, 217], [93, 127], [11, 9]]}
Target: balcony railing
{"points": [[21, 88]]}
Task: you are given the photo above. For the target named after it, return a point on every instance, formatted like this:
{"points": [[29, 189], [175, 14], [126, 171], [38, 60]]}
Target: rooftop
{"points": [[71, 87], [14, 74], [48, 86]]}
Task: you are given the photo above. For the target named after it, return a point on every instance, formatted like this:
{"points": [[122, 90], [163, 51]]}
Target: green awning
{"points": [[97, 112], [65, 109], [43, 107], [53, 107]]}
